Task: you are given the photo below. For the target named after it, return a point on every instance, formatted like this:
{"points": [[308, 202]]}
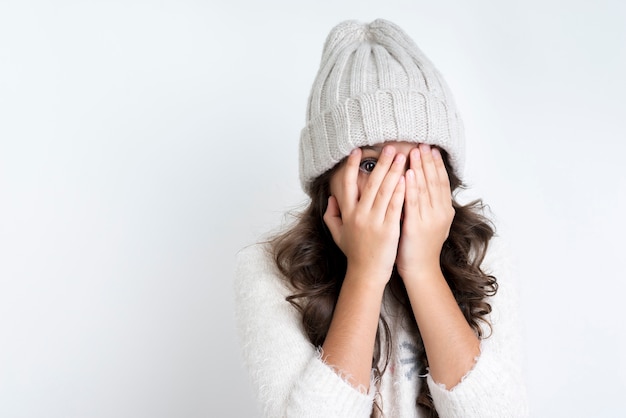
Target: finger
{"points": [[430, 172], [421, 188], [411, 203], [394, 209], [349, 193], [388, 187], [444, 180], [376, 177], [332, 218]]}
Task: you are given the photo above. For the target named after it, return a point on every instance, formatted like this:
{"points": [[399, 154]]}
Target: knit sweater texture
{"points": [[291, 380]]}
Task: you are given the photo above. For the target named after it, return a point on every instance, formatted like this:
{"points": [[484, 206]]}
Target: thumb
{"points": [[332, 218]]}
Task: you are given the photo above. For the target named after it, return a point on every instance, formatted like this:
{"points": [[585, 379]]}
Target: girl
{"points": [[386, 297]]}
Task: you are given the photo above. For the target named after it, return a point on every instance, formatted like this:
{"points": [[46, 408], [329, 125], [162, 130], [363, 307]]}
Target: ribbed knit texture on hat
{"points": [[375, 85]]}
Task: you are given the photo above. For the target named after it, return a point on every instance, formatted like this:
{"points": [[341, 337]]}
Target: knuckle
{"points": [[383, 190], [370, 187], [359, 220], [395, 204]]}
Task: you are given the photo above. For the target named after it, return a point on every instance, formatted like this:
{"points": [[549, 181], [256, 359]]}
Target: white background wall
{"points": [[143, 143]]}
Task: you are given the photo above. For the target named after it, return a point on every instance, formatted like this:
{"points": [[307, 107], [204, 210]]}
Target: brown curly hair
{"points": [[315, 268]]}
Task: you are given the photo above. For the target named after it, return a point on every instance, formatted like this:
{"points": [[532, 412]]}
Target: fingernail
{"points": [[354, 151], [436, 152], [388, 150], [399, 159]]}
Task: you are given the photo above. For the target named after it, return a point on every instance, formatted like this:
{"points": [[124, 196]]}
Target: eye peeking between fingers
{"points": [[367, 165]]}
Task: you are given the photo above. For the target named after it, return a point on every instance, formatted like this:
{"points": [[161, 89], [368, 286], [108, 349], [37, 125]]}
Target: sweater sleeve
{"points": [[495, 386], [288, 375]]}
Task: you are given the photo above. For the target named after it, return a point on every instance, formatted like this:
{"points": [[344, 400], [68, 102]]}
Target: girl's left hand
{"points": [[428, 214]]}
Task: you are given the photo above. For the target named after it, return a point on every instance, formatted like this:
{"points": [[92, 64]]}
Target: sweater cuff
{"points": [[329, 394], [485, 391]]}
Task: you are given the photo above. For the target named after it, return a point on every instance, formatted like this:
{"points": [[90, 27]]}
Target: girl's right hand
{"points": [[365, 224]]}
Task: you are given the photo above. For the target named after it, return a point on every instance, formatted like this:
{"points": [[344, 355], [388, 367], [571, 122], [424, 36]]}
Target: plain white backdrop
{"points": [[142, 144]]}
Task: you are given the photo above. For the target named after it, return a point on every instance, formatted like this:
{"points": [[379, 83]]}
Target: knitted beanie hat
{"points": [[375, 85]]}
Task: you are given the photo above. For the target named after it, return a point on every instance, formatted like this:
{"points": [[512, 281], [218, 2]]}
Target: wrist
{"points": [[375, 278], [422, 272]]}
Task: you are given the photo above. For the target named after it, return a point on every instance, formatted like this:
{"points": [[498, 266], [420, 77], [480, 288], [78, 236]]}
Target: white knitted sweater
{"points": [[291, 381]]}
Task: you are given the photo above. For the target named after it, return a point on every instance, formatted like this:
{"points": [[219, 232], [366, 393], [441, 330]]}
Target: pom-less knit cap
{"points": [[375, 85]]}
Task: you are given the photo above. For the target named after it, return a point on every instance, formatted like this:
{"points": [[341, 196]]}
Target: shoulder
{"points": [[253, 256], [256, 273], [498, 260]]}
